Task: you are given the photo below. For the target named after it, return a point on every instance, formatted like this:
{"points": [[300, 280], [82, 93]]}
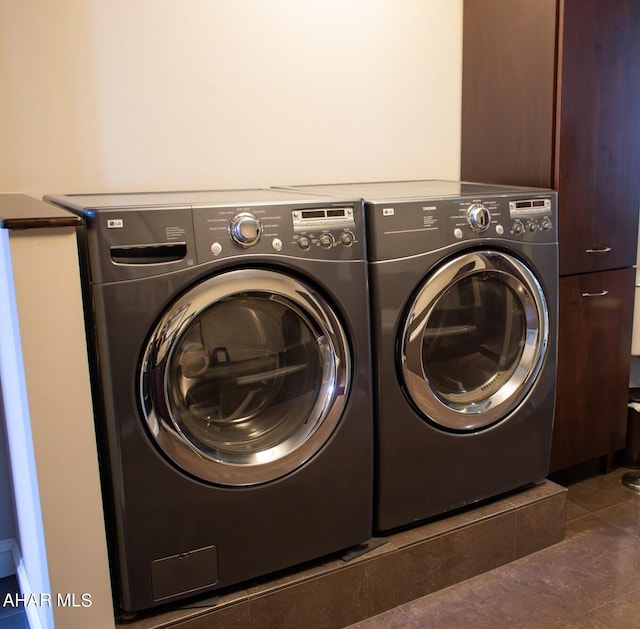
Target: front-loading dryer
{"points": [[464, 281], [229, 333]]}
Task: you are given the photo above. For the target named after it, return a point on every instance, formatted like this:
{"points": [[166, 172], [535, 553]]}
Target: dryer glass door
{"points": [[474, 340], [245, 377]]}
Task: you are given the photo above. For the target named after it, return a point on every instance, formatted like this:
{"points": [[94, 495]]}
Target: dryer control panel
{"points": [[411, 227], [521, 218], [531, 215]]}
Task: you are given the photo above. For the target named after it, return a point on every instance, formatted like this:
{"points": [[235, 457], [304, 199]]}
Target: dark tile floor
{"points": [[591, 580], [11, 616], [333, 592]]}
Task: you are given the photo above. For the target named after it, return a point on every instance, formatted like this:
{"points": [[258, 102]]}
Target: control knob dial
{"points": [[518, 227], [245, 229], [326, 241], [478, 217]]}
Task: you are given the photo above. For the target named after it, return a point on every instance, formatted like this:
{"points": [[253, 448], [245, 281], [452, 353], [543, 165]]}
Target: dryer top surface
{"points": [[386, 191]]}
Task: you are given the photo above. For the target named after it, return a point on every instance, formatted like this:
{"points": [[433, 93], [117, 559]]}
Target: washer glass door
{"points": [[474, 340], [245, 377]]}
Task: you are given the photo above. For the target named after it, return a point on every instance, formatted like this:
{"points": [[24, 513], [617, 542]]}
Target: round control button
{"points": [[326, 241], [546, 223], [347, 238], [457, 232], [518, 227], [499, 230], [533, 226], [216, 248], [276, 243], [245, 229], [478, 217], [304, 243]]}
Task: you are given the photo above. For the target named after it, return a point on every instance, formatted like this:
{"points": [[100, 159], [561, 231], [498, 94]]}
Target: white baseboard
{"points": [[7, 564], [35, 622]]}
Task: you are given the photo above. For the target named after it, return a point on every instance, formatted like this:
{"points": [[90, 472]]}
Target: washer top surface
{"points": [[385, 191], [195, 198]]}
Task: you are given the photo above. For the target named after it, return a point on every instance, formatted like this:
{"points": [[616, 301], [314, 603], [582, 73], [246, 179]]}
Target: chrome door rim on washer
{"points": [[474, 410], [226, 466]]}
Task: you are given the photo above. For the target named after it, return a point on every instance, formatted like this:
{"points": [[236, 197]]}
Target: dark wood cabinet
{"points": [[508, 91], [551, 97], [598, 149], [595, 328]]}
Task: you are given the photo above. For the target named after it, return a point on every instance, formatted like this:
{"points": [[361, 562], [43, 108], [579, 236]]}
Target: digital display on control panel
{"points": [[529, 207], [322, 218]]}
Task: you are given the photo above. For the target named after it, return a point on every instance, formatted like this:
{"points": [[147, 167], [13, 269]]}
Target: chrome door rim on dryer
{"points": [[492, 397]]}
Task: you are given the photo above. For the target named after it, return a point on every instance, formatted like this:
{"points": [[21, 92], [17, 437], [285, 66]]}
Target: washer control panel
{"points": [[324, 227], [137, 235], [333, 231]]}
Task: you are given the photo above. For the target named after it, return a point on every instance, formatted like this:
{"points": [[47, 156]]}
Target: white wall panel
{"points": [[171, 94]]}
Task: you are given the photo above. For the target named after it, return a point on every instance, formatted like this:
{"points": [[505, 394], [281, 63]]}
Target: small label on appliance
{"points": [[388, 211], [115, 223]]}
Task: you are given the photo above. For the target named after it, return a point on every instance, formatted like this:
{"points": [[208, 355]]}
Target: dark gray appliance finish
{"points": [[231, 371], [463, 282]]}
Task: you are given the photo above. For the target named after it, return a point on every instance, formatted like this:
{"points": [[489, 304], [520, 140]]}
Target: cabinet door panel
{"points": [[598, 153], [594, 345], [508, 91]]}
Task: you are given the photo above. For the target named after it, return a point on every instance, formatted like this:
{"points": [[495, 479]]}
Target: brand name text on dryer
{"points": [[13, 599]]}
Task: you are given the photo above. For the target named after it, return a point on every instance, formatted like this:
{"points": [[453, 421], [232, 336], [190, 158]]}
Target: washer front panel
{"points": [[474, 339], [245, 377]]}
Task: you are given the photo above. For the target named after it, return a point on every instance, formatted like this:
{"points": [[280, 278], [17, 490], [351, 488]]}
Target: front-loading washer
{"points": [[229, 336], [464, 281]]}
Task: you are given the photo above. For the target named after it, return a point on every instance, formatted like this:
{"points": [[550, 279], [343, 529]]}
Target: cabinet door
{"points": [[598, 126], [594, 344], [508, 91]]}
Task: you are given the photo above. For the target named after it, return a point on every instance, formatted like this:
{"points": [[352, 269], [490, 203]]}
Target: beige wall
{"points": [[178, 94], [45, 380]]}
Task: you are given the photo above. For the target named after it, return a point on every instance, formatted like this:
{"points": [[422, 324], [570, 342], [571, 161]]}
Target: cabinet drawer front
{"points": [[594, 344]]}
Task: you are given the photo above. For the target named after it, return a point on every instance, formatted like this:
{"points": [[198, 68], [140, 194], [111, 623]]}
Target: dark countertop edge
{"points": [[20, 211], [39, 223]]}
